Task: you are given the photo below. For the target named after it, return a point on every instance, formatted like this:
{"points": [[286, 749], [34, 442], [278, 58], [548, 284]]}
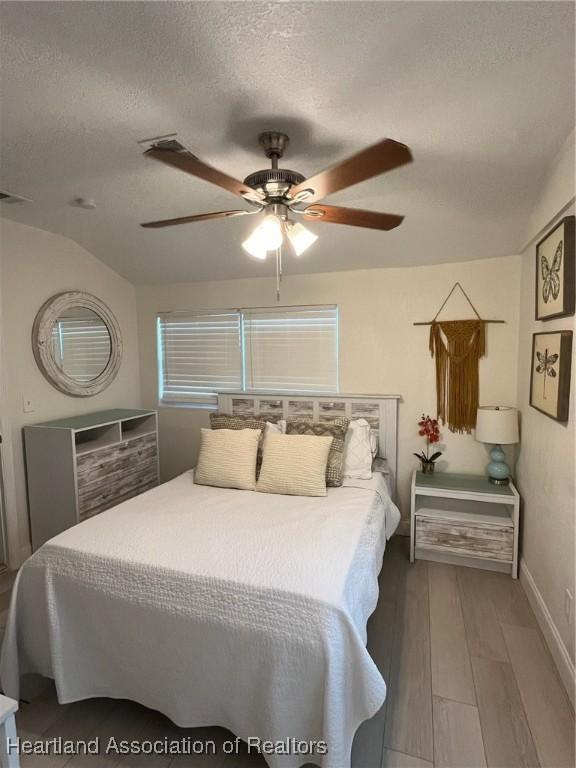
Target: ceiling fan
{"points": [[281, 193]]}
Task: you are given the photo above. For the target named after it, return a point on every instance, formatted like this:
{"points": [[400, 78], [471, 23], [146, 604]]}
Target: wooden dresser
{"points": [[80, 466]]}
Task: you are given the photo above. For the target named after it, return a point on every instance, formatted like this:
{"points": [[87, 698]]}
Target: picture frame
{"points": [[555, 292], [550, 373]]}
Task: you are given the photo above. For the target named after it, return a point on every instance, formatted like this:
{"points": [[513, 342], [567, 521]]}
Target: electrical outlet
{"points": [[27, 405], [569, 607]]}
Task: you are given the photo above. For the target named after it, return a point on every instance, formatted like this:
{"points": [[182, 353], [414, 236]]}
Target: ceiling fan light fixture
{"points": [[271, 229], [266, 237], [300, 238], [254, 245]]}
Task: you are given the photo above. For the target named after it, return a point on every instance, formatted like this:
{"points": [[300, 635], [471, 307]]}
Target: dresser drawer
{"points": [[98, 496], [109, 460], [89, 511], [115, 474], [487, 541]]}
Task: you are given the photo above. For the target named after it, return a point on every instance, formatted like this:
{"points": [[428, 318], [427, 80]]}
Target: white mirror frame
{"points": [[49, 312]]}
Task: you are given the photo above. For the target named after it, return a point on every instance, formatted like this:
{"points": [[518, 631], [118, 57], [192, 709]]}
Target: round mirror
{"points": [[77, 343], [81, 344]]}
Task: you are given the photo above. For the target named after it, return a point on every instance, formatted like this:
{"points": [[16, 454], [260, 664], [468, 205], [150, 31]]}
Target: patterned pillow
{"points": [[358, 451], [230, 421], [335, 428]]}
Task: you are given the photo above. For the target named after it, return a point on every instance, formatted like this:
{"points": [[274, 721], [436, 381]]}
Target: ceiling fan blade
{"points": [[353, 217], [198, 217], [189, 163], [381, 157]]}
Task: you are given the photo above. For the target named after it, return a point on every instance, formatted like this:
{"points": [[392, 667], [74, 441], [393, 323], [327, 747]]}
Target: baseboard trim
{"points": [[550, 631]]}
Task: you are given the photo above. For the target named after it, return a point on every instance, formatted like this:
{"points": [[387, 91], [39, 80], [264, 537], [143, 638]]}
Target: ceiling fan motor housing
{"points": [[274, 182]]}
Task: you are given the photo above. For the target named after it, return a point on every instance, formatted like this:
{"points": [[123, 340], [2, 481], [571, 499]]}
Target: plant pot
{"points": [[427, 467]]}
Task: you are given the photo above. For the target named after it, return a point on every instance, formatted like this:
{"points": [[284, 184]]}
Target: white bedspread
{"points": [[215, 607]]}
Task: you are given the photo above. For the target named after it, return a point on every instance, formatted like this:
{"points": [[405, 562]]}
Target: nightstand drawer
{"points": [[469, 539]]}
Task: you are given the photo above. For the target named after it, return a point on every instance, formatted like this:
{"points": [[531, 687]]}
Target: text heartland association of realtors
{"points": [[166, 746]]}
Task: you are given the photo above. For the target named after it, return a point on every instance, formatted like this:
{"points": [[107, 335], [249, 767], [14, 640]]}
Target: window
{"points": [[285, 349], [291, 350], [199, 355]]}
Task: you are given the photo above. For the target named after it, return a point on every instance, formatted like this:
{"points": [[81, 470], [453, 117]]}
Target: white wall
{"points": [[381, 352], [35, 265], [545, 467]]}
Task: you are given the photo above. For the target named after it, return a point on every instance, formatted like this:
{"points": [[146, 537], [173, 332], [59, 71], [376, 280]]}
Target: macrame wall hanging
{"points": [[457, 346]]}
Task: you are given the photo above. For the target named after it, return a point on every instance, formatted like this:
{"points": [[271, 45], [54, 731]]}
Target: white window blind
{"points": [[285, 349], [200, 355], [81, 344], [291, 349]]}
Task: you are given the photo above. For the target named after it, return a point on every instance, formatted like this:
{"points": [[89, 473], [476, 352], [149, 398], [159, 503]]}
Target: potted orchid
{"points": [[429, 429]]}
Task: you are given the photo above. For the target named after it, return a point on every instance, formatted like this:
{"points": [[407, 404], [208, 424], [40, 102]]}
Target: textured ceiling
{"points": [[483, 93]]}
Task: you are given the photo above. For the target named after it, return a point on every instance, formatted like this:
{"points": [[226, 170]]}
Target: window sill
{"points": [[188, 406]]}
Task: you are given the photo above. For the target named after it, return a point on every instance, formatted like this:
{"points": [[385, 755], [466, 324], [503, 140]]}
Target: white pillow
{"points": [[275, 427], [228, 458], [374, 442], [358, 450], [294, 465]]}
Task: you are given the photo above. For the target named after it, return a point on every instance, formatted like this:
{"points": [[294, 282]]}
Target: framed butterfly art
{"points": [[555, 272], [550, 377]]}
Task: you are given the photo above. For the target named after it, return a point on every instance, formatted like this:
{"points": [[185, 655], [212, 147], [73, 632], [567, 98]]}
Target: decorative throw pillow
{"points": [[240, 421], [228, 458], [358, 451], [335, 428], [275, 428], [374, 442], [294, 465], [236, 421]]}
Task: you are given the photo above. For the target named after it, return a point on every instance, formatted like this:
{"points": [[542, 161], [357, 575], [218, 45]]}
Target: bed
{"points": [[217, 607]]}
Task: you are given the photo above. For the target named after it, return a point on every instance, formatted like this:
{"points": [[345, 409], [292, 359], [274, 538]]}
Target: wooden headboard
{"points": [[381, 411]]}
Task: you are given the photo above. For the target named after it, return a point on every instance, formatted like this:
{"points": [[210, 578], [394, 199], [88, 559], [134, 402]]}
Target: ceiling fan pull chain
{"points": [[278, 271]]}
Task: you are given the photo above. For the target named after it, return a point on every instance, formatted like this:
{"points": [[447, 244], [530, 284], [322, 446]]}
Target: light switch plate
{"points": [[27, 404]]}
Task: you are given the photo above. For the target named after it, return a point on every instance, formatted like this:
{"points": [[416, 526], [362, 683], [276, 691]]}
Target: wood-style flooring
{"points": [[470, 684]]}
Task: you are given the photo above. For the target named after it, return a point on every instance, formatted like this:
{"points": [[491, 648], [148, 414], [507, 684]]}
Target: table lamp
{"points": [[497, 425]]}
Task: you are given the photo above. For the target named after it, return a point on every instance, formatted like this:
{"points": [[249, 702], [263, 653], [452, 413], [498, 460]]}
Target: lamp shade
{"points": [[300, 237], [497, 425]]}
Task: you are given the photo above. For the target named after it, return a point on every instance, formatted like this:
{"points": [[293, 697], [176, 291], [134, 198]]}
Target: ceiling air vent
{"points": [[8, 197]]}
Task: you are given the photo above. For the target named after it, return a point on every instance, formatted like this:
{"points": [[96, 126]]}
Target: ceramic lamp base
{"points": [[498, 471]]}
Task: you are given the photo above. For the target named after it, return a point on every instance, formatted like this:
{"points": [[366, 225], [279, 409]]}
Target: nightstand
{"points": [[464, 520]]}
